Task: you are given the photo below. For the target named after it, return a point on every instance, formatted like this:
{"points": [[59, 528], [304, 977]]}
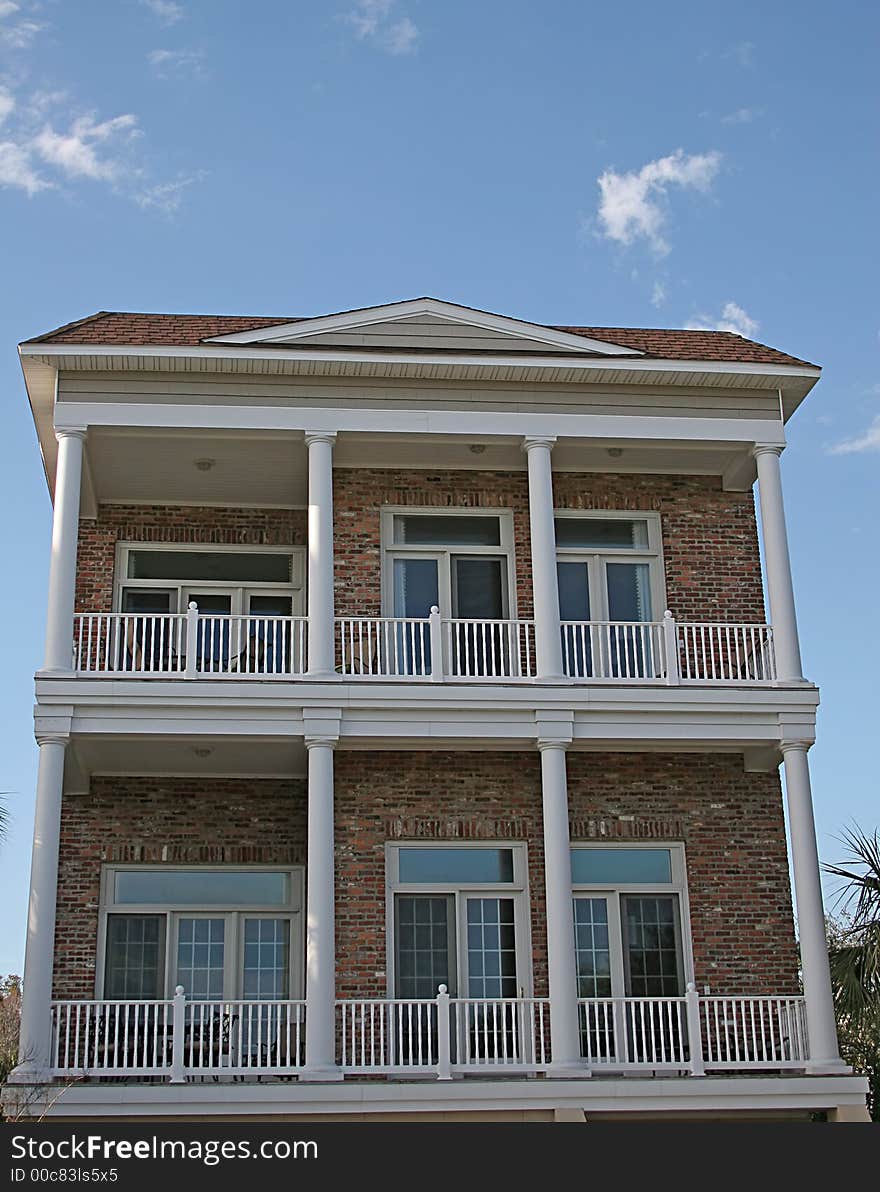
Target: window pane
{"points": [[617, 866], [415, 587], [479, 588], [266, 959], [200, 945], [601, 533], [629, 591], [271, 606], [464, 530], [491, 948], [455, 865], [148, 600], [424, 938], [210, 565], [651, 946], [592, 948], [574, 591], [202, 887], [135, 959]]}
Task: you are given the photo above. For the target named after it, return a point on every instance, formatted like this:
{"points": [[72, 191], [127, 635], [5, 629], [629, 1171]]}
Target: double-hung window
{"points": [[460, 561], [223, 934], [630, 940], [610, 575]]}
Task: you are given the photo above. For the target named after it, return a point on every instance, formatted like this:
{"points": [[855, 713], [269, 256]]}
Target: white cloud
{"points": [[17, 170], [167, 11], [75, 153], [7, 106], [733, 318], [19, 35], [658, 294], [166, 196], [375, 21], [166, 63], [742, 116], [868, 441], [628, 203]]}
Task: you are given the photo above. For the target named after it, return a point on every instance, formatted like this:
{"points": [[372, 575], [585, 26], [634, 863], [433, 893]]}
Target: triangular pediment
{"points": [[424, 325]]}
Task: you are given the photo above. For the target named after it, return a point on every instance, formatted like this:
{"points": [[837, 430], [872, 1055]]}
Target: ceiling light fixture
{"points": [[477, 448], [204, 465], [615, 452]]}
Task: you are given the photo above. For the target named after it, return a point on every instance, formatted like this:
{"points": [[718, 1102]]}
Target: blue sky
{"points": [[643, 165]]}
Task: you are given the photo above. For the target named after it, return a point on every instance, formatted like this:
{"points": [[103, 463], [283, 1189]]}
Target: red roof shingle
{"points": [[131, 329]]}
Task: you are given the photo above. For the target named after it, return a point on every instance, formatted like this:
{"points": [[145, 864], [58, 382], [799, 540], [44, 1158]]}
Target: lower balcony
{"points": [[179, 1040], [430, 649]]}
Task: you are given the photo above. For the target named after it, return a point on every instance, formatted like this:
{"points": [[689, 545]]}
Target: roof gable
{"points": [[426, 324]]}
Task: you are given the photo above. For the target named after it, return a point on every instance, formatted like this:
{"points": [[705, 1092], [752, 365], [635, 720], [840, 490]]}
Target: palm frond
{"points": [[860, 874], [855, 974]]}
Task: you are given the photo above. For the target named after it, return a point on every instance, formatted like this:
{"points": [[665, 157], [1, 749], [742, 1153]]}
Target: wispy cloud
{"points": [[17, 29], [658, 294], [742, 116], [17, 170], [177, 63], [733, 318], [166, 196], [630, 204], [168, 12], [378, 22], [869, 440], [88, 149]]}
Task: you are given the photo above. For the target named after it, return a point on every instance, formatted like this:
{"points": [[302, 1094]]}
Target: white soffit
{"points": [[426, 319]]}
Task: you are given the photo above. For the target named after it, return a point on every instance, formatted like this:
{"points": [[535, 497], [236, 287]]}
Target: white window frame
{"points": [[391, 551], [597, 558], [240, 593], [233, 955], [614, 892], [518, 890]]}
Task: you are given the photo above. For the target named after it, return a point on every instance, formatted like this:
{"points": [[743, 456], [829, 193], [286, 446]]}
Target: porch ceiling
{"points": [[200, 757]]}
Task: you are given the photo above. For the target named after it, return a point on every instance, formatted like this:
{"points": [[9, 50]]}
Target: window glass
{"points": [[424, 945], [629, 591], [439, 530], [266, 958], [602, 533], [592, 948], [651, 949], [616, 866], [135, 957], [202, 887], [455, 865], [209, 565], [200, 957], [148, 600], [491, 948]]}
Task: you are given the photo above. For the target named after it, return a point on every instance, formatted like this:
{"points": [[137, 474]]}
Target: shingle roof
{"points": [[132, 329]]}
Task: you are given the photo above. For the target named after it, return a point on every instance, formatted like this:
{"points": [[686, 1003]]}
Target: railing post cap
{"points": [[691, 987], [178, 991], [192, 605], [442, 989], [667, 614], [435, 610]]}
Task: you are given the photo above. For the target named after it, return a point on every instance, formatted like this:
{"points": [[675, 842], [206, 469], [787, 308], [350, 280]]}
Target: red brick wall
{"points": [[188, 821], [710, 542], [730, 821], [96, 557]]}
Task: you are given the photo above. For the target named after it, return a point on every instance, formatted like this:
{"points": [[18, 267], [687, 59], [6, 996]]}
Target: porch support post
{"points": [[321, 659], [564, 1040], [62, 565], [36, 1000], [780, 591], [548, 644], [821, 1025], [320, 916]]}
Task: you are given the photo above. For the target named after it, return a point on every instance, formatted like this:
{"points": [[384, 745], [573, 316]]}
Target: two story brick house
{"points": [[410, 725]]}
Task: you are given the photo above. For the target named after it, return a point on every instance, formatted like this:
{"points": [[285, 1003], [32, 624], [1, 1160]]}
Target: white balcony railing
{"points": [[420, 649], [188, 644], [443, 1036]]}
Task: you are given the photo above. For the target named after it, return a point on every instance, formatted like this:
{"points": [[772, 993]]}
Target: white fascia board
{"points": [[525, 361], [418, 422], [372, 316]]}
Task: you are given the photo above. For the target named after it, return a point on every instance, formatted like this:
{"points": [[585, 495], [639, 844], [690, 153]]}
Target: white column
{"points": [[548, 643], [62, 565], [320, 917], [560, 917], [780, 590], [321, 658], [36, 999], [821, 1026]]}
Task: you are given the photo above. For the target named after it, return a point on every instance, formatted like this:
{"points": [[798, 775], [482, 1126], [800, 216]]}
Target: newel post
{"points": [[436, 632], [670, 642], [444, 1053], [192, 639], [695, 1031], [178, 1028]]}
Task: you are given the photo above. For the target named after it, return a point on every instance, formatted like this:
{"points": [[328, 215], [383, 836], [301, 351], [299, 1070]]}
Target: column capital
{"points": [[553, 743], [52, 739], [801, 745], [531, 441], [325, 739], [320, 436], [767, 449], [71, 432]]}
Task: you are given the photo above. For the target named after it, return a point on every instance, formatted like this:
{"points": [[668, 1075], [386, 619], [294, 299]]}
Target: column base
{"points": [[27, 1074], [323, 1075], [569, 1070], [835, 1067], [553, 681], [323, 676]]}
